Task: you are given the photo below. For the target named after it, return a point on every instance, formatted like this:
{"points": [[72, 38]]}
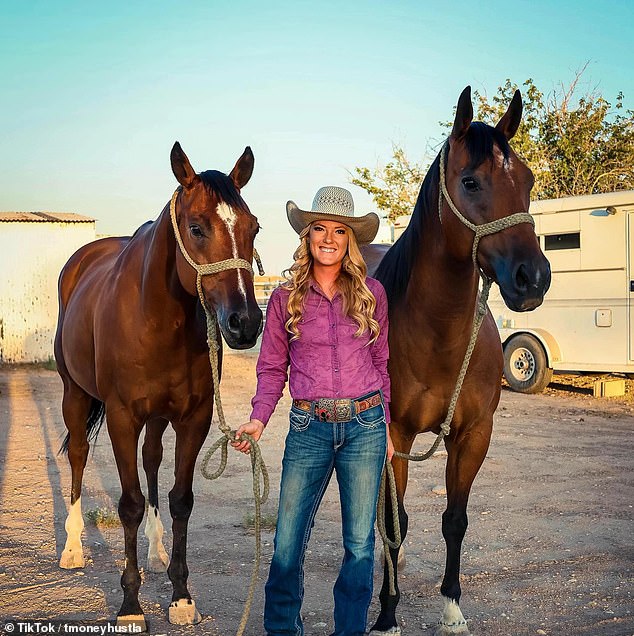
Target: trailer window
{"points": [[570, 241]]}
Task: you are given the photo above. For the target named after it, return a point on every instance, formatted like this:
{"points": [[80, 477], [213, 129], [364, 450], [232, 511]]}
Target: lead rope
{"points": [[445, 428], [258, 466]]}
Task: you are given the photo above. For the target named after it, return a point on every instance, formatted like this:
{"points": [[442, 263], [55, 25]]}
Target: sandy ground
{"points": [[549, 550]]}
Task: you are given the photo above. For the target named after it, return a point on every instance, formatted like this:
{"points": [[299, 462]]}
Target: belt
{"points": [[338, 410]]}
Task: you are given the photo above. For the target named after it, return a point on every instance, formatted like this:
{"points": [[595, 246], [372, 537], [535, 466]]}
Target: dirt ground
{"points": [[549, 549]]}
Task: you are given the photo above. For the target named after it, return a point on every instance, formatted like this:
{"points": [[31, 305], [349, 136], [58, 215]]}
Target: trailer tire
{"points": [[525, 365]]}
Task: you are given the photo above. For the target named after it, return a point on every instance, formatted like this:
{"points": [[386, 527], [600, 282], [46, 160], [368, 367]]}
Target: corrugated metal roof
{"points": [[44, 217]]}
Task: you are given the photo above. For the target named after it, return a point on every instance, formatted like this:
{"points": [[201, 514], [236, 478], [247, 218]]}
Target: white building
{"points": [[34, 246]]}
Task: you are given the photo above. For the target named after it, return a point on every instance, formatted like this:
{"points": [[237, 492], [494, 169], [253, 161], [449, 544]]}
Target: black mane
{"points": [[224, 187], [395, 269]]}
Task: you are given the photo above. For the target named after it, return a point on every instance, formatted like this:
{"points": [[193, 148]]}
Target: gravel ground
{"points": [[549, 549]]}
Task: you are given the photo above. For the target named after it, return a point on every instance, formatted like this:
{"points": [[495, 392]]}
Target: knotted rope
{"points": [[480, 312], [258, 467]]}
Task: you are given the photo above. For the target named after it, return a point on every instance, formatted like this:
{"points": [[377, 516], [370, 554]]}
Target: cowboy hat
{"points": [[334, 204]]}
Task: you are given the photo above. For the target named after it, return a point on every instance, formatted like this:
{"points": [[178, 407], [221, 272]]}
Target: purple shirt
{"points": [[327, 361]]}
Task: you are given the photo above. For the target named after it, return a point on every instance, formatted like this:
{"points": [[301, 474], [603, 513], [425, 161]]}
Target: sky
{"points": [[94, 95]]}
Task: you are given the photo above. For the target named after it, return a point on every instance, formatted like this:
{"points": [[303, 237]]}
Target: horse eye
{"points": [[470, 184], [195, 231]]}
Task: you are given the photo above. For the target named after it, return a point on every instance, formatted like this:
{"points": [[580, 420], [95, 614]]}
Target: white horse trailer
{"points": [[586, 322]]}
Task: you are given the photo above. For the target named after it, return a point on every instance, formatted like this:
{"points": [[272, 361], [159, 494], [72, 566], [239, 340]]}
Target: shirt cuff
{"points": [[261, 412]]}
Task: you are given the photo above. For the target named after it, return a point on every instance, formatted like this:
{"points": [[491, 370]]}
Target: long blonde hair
{"points": [[358, 301]]}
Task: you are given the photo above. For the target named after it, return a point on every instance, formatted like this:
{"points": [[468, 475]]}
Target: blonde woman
{"points": [[329, 324]]}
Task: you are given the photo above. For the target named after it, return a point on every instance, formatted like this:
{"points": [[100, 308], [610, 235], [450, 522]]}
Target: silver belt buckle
{"points": [[343, 410]]}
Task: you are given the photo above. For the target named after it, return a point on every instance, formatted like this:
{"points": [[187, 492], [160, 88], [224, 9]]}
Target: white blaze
{"points": [[229, 217]]}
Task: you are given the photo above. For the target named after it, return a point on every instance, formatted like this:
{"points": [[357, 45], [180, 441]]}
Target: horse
{"points": [[431, 276], [132, 345]]}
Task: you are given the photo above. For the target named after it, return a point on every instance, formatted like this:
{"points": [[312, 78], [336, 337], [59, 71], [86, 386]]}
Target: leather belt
{"points": [[338, 410]]}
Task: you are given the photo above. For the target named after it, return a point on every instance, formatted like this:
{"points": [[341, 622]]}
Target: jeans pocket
{"points": [[299, 419], [371, 418]]}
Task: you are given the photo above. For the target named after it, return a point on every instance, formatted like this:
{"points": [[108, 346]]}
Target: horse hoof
{"points": [[156, 563], [184, 612], [390, 630], [131, 623], [452, 629], [72, 559]]}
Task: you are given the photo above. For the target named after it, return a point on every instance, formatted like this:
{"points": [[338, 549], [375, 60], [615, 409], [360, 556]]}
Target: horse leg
{"points": [[190, 437], [464, 458], [157, 558], [76, 406], [124, 435], [386, 622]]}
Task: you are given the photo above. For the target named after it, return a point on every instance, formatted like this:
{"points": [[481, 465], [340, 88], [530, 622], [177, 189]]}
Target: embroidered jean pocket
{"points": [[372, 417], [299, 419]]}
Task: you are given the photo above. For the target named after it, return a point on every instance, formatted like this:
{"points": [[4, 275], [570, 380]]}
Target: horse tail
{"points": [[94, 421]]}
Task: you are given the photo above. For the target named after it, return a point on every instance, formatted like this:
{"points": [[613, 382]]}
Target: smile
{"points": [[327, 249]]}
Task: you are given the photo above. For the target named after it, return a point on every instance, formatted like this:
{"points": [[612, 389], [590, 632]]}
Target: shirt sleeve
{"points": [[272, 366], [380, 351]]}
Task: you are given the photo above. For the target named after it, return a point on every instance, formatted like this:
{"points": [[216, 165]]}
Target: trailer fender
{"points": [[546, 339]]}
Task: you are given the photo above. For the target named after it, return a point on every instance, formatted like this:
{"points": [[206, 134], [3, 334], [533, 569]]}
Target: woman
{"points": [[329, 323]]}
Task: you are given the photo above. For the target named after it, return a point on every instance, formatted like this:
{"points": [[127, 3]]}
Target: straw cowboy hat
{"points": [[334, 204]]}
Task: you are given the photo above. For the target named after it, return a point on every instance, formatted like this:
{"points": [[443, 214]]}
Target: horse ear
{"points": [[243, 169], [464, 115], [182, 169], [510, 122]]}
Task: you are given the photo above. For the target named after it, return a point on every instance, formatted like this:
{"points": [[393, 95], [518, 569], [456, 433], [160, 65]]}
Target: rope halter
{"points": [[483, 229]]}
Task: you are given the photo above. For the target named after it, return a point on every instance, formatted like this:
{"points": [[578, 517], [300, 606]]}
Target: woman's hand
{"points": [[390, 446], [253, 428]]}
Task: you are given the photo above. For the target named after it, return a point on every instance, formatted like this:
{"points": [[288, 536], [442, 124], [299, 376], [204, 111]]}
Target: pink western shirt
{"points": [[327, 361]]}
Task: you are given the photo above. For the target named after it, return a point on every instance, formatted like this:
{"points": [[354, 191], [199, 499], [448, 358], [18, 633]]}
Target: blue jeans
{"points": [[356, 450]]}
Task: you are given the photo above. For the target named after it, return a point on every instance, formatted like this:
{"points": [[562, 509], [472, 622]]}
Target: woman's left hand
{"points": [[390, 446]]}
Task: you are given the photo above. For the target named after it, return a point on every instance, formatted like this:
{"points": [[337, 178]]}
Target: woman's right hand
{"points": [[254, 428]]}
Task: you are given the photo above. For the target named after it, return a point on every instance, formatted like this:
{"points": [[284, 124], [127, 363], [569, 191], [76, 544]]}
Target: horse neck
{"points": [[442, 287], [161, 287]]}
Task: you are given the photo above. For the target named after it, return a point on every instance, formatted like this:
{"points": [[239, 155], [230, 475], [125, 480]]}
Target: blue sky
{"points": [[94, 95]]}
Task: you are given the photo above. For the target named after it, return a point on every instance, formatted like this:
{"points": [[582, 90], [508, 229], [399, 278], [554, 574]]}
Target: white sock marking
{"points": [[452, 617], [154, 532]]}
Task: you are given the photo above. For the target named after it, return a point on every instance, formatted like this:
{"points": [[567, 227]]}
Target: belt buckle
{"points": [[325, 409], [343, 410]]}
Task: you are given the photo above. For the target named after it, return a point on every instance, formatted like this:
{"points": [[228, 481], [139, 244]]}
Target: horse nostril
{"points": [[522, 280], [234, 323]]}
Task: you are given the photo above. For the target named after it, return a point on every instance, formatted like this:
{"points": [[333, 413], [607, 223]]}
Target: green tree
{"points": [[394, 187], [574, 143]]}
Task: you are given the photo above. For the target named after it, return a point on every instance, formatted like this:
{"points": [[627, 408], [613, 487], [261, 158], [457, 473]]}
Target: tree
{"points": [[395, 186], [573, 144]]}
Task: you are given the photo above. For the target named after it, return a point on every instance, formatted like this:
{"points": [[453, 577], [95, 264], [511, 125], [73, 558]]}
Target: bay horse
{"points": [[431, 275], [131, 345]]}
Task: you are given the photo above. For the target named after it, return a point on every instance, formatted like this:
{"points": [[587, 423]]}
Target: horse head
{"points": [[488, 183], [215, 225]]}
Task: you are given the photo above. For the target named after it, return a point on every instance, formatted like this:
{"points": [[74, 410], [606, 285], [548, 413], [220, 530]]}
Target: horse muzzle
{"points": [[524, 285], [241, 329]]}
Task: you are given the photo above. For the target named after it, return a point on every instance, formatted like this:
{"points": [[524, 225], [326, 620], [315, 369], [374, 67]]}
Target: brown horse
{"points": [[131, 344], [431, 278]]}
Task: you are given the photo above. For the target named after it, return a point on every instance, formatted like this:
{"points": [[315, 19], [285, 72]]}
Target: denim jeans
{"points": [[356, 450]]}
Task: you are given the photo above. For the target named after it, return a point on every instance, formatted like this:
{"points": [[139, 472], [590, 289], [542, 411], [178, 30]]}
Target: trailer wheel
{"points": [[525, 365]]}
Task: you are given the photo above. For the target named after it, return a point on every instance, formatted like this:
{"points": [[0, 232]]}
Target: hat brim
{"points": [[364, 227]]}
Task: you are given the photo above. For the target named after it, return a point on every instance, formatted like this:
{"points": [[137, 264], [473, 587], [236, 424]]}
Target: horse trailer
{"points": [[586, 320]]}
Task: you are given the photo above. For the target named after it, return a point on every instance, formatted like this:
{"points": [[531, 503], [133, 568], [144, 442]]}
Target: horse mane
{"points": [[395, 269], [224, 187]]}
